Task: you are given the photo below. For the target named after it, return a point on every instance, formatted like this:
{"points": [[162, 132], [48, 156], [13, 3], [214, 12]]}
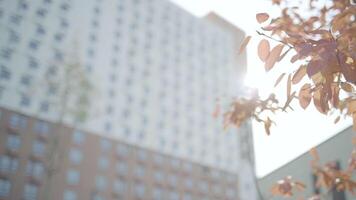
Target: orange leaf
{"points": [[298, 76], [273, 57], [314, 153], [263, 49], [262, 17], [351, 106], [318, 99], [347, 87], [244, 44], [305, 96], [268, 124], [289, 85], [279, 79]]}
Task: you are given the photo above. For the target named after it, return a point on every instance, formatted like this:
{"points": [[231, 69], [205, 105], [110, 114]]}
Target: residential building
{"points": [[156, 71]]}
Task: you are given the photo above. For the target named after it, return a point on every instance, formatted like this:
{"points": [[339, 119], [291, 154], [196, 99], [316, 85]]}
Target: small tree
{"points": [[68, 89]]}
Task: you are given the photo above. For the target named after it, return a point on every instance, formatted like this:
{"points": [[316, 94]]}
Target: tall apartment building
{"points": [[156, 71]]}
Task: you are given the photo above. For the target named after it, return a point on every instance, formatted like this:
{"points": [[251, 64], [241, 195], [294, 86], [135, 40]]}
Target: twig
{"points": [[280, 41]]}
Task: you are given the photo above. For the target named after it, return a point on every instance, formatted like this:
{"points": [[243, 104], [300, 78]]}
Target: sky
{"points": [[295, 132]]}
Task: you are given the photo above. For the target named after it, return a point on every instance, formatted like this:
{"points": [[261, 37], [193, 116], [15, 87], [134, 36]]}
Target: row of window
{"points": [[30, 191]]}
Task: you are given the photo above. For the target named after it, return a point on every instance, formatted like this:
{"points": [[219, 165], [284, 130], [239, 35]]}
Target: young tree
{"points": [[321, 36], [68, 88]]}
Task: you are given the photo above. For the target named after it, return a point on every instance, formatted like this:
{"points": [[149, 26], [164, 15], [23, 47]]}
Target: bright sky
{"points": [[296, 132]]}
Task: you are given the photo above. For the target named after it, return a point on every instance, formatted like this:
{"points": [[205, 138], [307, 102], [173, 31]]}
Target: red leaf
{"points": [[244, 44], [279, 79], [273, 57], [262, 17], [305, 96], [263, 50], [298, 76]]}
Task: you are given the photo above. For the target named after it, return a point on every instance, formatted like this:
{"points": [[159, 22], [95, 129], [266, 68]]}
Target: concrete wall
{"points": [[335, 149]]}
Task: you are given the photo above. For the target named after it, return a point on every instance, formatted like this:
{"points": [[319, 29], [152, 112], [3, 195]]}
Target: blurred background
{"points": [[114, 99]]}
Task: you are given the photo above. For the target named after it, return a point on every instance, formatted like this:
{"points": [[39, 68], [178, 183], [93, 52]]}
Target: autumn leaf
{"points": [[298, 76], [314, 153], [318, 99], [347, 87], [262, 17], [305, 95], [244, 44], [268, 124], [351, 107], [337, 120], [279, 79], [289, 85], [263, 50], [273, 57]]}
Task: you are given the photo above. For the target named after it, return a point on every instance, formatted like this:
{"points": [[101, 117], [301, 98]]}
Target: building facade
{"points": [[156, 71], [337, 149], [93, 167]]}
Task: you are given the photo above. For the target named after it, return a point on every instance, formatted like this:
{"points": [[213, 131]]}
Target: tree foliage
{"points": [[321, 41], [319, 38]]}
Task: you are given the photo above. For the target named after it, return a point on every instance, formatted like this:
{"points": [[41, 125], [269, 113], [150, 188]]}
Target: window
{"points": [[13, 142], [38, 148], [44, 106], [5, 187], [120, 186], [17, 121], [100, 183], [187, 167], [188, 183], [173, 195], [158, 194], [173, 180], [217, 190], [231, 193], [73, 177], [139, 190], [98, 197], [16, 19], [40, 30], [158, 159], [34, 44], [75, 156], [14, 36], [139, 171], [34, 169], [338, 195], [32, 62], [141, 155], [8, 164], [69, 195], [187, 197], [78, 137], [25, 101], [103, 163], [203, 187], [41, 12], [6, 53], [122, 150], [158, 176], [105, 144], [175, 163], [121, 168], [30, 192], [5, 73], [42, 128]]}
